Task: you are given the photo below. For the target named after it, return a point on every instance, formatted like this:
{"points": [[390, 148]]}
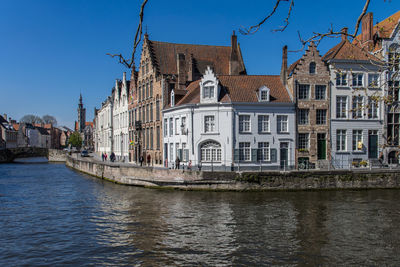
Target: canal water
{"points": [[51, 215]]}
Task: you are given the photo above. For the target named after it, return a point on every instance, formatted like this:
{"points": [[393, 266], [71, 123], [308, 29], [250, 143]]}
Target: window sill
{"points": [[244, 132], [283, 132], [210, 133], [264, 132]]}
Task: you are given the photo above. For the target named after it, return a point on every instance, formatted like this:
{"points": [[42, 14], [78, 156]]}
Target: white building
{"points": [[231, 122], [120, 120], [356, 108], [104, 127]]}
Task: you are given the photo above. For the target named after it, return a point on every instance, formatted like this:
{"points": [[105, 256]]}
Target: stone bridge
{"points": [[8, 155]]}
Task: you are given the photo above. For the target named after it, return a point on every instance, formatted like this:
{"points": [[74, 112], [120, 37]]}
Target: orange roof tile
{"points": [[347, 51], [241, 88]]}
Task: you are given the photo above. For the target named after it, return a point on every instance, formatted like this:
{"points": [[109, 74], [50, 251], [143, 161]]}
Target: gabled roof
{"points": [[217, 57], [347, 51], [241, 88], [385, 28]]}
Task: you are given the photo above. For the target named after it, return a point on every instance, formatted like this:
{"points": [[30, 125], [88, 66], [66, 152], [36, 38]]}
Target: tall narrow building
{"points": [[81, 116]]}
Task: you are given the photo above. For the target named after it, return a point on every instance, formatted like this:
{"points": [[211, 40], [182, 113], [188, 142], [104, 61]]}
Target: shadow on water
{"points": [[55, 216], [32, 160]]}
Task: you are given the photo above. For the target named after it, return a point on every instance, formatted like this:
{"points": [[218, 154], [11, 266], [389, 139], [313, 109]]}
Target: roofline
{"points": [[355, 61], [191, 44]]}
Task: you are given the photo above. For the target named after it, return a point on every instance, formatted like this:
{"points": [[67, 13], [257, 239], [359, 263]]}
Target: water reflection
{"points": [[55, 216]]}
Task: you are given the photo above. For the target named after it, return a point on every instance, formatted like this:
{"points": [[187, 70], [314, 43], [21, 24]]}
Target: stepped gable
{"points": [[217, 57], [347, 51], [241, 88]]}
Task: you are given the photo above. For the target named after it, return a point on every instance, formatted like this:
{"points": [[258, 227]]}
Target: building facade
{"points": [[356, 113], [231, 122], [166, 68], [104, 127], [120, 119], [309, 83]]}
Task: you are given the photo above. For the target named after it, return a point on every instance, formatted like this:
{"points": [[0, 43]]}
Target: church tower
{"points": [[81, 115]]}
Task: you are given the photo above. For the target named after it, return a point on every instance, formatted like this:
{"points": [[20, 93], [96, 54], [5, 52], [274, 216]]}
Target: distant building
{"points": [[104, 127], [8, 135], [83, 127]]}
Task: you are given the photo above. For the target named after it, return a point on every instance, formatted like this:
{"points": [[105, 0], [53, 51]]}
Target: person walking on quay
{"points": [[148, 160], [105, 156], [190, 165], [102, 156], [177, 162], [112, 157], [141, 159]]}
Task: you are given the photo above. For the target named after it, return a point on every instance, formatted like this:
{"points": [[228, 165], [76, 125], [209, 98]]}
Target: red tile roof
{"points": [[347, 51], [241, 88], [385, 28], [217, 57]]}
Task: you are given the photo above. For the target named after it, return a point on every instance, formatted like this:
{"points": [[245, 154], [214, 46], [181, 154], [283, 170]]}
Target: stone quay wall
{"points": [[236, 181], [56, 155]]}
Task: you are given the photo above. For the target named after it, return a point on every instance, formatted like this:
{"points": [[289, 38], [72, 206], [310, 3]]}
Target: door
{"points": [[284, 155], [373, 145], [321, 146]]}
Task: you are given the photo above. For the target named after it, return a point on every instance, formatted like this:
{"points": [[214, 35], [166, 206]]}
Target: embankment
{"points": [[265, 181]]}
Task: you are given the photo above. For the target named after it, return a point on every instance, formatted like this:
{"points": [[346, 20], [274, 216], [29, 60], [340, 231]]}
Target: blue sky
{"points": [[52, 50]]}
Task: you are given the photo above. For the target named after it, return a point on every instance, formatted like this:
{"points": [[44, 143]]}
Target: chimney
{"points": [[344, 33], [234, 66], [124, 77], [366, 27], [181, 68], [191, 68], [284, 65]]}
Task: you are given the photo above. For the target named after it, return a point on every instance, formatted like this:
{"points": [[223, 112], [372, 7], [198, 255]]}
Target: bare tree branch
{"points": [[287, 18], [129, 63], [253, 29]]}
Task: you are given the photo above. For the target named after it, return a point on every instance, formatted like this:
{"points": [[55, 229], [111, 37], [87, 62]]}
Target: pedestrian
{"points": [[102, 156], [105, 156], [177, 162], [190, 165], [141, 159], [148, 159]]}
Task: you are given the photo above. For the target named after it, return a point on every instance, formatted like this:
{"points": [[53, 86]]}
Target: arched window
{"points": [[210, 152], [312, 68]]}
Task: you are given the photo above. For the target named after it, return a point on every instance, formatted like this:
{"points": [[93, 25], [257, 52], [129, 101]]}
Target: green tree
{"points": [[75, 140]]}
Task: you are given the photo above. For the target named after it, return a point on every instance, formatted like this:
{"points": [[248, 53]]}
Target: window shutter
{"points": [[236, 155], [254, 154], [274, 155]]}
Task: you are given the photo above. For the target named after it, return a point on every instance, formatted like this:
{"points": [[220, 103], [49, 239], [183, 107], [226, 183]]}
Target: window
{"points": [[321, 116], [341, 79], [158, 110], [171, 126], [312, 67], [177, 126], [165, 127], [393, 129], [208, 91], [304, 91], [147, 89], [263, 151], [373, 80], [177, 154], [140, 93], [158, 137], [394, 60], [320, 92], [341, 140], [303, 116], [151, 111], [244, 123], [263, 123], [151, 88], [151, 138], [209, 124], [341, 107], [303, 141], [183, 125], [147, 113], [184, 154], [147, 138], [394, 90], [372, 108], [357, 140], [244, 151], [357, 107], [171, 152], [172, 98], [210, 152], [282, 121], [264, 94]]}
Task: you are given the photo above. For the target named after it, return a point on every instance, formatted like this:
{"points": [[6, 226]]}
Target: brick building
{"points": [[165, 70], [309, 83]]}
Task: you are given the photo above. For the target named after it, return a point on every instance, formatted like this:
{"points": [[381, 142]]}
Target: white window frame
{"points": [[357, 136], [357, 79], [264, 151], [263, 124], [303, 118], [373, 109], [341, 140], [282, 123], [318, 86], [209, 124], [244, 123], [341, 79], [341, 105], [358, 107], [373, 80], [306, 144], [244, 151], [306, 88], [264, 94]]}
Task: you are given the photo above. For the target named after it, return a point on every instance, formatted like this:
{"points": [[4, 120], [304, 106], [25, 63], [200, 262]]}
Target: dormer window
{"points": [[208, 91], [312, 67], [172, 98], [264, 94]]}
